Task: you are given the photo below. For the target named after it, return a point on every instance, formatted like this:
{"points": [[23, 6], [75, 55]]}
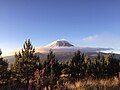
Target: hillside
{"points": [[63, 50]]}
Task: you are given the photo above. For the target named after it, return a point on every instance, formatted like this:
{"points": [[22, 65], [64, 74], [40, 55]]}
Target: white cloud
{"points": [[90, 38]]}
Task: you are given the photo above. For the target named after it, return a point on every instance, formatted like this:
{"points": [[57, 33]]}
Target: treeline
{"points": [[28, 68]]}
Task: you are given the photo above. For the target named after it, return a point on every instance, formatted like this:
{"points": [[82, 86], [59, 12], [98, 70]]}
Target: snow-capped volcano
{"points": [[60, 43]]}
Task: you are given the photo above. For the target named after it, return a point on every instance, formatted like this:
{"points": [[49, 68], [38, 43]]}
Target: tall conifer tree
{"points": [[26, 62]]}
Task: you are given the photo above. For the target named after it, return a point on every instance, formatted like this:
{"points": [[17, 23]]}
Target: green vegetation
{"points": [[29, 72], [26, 62], [3, 69]]}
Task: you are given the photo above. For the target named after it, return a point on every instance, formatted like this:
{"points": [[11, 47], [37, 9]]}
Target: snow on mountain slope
{"points": [[60, 43]]}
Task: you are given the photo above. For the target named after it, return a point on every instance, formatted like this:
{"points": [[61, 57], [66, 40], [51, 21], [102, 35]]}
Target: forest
{"points": [[29, 72]]}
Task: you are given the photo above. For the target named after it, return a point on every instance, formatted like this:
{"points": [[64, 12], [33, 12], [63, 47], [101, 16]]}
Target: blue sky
{"points": [[94, 23]]}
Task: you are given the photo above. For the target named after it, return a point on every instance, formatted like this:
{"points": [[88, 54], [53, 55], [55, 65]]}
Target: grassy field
{"points": [[85, 84], [89, 84]]}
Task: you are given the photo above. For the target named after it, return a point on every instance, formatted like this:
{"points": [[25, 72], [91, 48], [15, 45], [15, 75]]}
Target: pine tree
{"points": [[77, 64], [51, 69], [26, 62], [112, 65], [51, 65], [3, 68], [99, 65]]}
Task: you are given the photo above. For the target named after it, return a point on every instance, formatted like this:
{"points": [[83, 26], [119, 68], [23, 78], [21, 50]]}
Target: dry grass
{"points": [[89, 84]]}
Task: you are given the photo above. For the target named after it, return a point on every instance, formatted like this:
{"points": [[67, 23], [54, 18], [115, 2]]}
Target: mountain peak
{"points": [[60, 43]]}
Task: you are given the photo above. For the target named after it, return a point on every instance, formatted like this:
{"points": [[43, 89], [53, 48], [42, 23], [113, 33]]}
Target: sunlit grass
{"points": [[90, 84]]}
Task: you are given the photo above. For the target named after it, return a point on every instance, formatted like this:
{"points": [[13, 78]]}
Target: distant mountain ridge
{"points": [[62, 45], [63, 49]]}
